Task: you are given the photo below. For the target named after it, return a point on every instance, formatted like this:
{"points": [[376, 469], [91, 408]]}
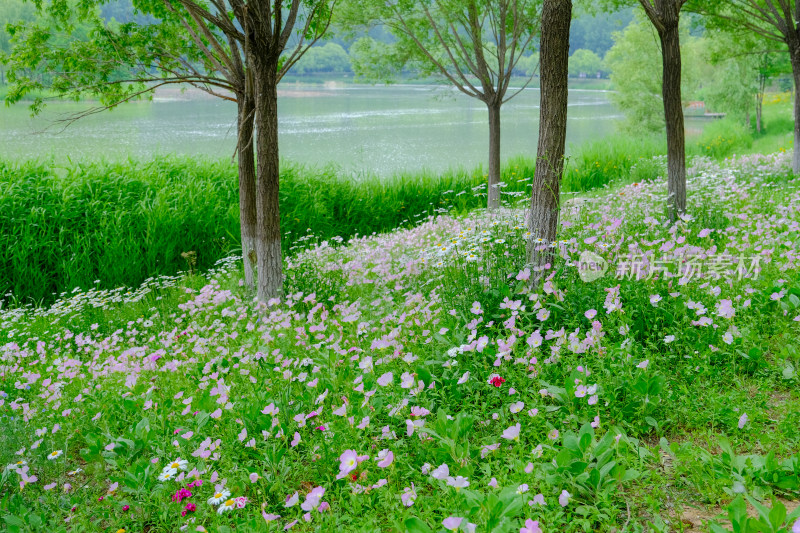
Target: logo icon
{"points": [[591, 266]]}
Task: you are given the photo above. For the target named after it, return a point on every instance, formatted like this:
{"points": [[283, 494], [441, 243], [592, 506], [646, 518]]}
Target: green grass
{"points": [[120, 223], [623, 401]]}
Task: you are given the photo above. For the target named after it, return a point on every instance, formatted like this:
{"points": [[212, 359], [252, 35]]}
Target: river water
{"points": [[360, 128]]}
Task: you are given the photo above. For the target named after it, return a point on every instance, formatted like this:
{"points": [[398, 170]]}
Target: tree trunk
{"points": [[268, 221], [794, 54], [493, 201], [673, 114], [762, 83], [747, 121], [553, 65], [758, 112], [247, 186]]}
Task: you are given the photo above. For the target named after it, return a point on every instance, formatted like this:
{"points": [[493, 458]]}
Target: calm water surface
{"points": [[373, 129]]}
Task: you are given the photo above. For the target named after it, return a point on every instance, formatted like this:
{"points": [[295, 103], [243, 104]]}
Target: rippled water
{"points": [[375, 129]]}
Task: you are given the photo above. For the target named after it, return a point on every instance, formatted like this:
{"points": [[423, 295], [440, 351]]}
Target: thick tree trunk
{"points": [[247, 186], [268, 232], [794, 54], [673, 114], [493, 201], [553, 65]]}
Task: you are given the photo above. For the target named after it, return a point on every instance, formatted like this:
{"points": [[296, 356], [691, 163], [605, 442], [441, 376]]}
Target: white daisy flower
{"points": [[219, 497], [54, 455], [167, 474], [17, 465], [178, 464], [227, 505]]}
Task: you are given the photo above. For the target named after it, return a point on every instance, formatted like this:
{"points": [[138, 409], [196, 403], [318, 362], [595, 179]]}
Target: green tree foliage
{"points": [[743, 65], [329, 58], [583, 63], [594, 31], [634, 63]]}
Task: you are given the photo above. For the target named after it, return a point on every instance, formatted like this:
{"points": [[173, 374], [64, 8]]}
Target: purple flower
{"points": [[348, 462], [409, 496], [313, 499], [537, 500], [385, 458], [512, 433], [531, 526], [725, 309], [563, 498], [452, 522], [743, 420]]}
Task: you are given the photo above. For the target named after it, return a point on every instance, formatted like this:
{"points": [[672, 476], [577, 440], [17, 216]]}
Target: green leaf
{"points": [[415, 525], [424, 375], [777, 515]]}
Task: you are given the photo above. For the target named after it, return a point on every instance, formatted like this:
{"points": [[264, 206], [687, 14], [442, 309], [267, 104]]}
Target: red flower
{"points": [[497, 381]]}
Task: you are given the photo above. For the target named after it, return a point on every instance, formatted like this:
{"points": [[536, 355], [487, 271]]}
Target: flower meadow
{"points": [[414, 381]]}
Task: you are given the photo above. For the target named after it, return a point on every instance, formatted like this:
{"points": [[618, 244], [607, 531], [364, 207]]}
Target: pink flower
{"points": [[452, 522], [497, 381], [493, 483], [725, 309], [348, 462], [643, 364], [385, 379], [385, 458], [563, 498], [126, 507], [409, 496], [296, 440], [537, 500], [253, 477], [292, 500], [181, 495], [512, 433], [313, 499], [531, 526], [590, 314], [543, 314]]}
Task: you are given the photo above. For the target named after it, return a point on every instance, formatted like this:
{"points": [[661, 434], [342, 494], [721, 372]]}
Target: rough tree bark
{"points": [[247, 185], [553, 67], [268, 233], [493, 201], [673, 109]]}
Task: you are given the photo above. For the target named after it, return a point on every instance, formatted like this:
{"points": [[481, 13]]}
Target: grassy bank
{"points": [[116, 224], [427, 386]]}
